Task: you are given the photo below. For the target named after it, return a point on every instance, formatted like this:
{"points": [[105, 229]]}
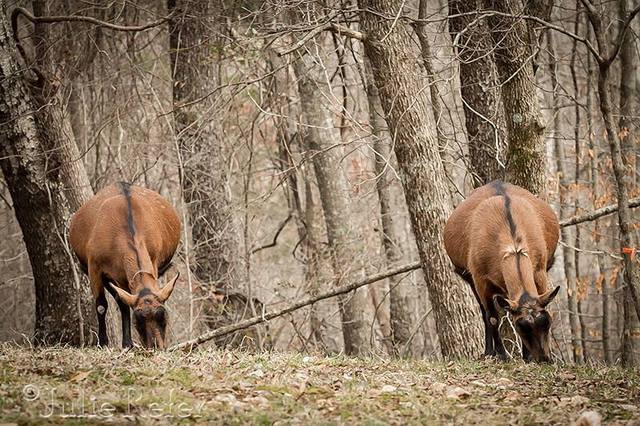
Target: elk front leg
{"points": [[97, 288], [125, 314]]}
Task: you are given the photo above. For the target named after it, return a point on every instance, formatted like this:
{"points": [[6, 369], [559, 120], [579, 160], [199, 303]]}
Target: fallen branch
{"points": [[191, 344], [596, 214]]}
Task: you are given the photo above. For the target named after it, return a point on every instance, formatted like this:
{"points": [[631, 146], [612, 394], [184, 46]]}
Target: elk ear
{"points": [[504, 303], [166, 291], [124, 295], [546, 298]]}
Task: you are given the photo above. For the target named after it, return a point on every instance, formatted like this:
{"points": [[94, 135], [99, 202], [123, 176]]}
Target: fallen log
{"points": [[192, 344]]}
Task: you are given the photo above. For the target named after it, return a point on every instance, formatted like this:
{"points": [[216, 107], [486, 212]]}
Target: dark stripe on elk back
{"points": [[126, 191], [500, 190], [131, 227]]}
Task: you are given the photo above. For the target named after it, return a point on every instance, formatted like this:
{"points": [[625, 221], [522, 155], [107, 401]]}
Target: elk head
{"points": [[532, 323], [149, 312]]}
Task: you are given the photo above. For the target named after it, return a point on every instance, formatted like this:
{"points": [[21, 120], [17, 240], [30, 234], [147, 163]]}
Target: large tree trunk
{"points": [[401, 81], [513, 56], [323, 139], [479, 86], [73, 175], [35, 163], [204, 166], [402, 297]]}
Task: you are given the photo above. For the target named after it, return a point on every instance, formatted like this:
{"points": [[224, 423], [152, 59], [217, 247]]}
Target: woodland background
{"points": [[308, 144]]}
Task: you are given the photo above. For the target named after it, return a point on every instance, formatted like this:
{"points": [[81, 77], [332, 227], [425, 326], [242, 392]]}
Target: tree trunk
{"points": [[582, 287], [479, 86], [73, 175], [392, 203], [44, 192], [401, 80], [566, 234], [204, 166], [526, 160], [627, 140], [344, 236], [620, 170]]}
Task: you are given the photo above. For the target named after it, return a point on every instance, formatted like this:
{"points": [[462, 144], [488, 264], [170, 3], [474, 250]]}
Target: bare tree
{"points": [[323, 139], [628, 64], [43, 193], [402, 85], [204, 176], [605, 57], [403, 307], [514, 60], [479, 86], [568, 258]]}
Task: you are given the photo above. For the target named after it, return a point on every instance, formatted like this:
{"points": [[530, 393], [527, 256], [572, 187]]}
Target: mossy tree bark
{"points": [[526, 165], [480, 90]]}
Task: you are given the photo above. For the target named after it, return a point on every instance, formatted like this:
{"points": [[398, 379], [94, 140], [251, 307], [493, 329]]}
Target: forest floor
{"points": [[63, 385]]}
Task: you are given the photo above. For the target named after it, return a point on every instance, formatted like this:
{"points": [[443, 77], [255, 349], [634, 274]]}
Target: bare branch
{"points": [[329, 26], [596, 214], [77, 18], [625, 26], [275, 237], [222, 331]]}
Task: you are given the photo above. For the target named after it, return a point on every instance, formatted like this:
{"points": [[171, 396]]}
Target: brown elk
{"points": [[125, 237], [501, 240]]}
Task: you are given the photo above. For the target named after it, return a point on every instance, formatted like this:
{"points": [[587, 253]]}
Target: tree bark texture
{"points": [[345, 241], [192, 40], [73, 174], [526, 165], [628, 63], [402, 84], [43, 197], [402, 299], [480, 90], [567, 253]]}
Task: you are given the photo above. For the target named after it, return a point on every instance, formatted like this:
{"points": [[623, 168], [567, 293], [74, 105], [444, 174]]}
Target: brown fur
{"points": [[501, 239], [125, 237]]}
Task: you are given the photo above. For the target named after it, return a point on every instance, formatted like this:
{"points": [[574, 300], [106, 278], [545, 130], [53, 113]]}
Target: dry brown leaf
{"points": [[80, 376]]}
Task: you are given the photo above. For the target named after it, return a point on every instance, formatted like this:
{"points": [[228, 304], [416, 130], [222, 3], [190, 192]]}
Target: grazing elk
{"points": [[501, 240], [125, 237]]}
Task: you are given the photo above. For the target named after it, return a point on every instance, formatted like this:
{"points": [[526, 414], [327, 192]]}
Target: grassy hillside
{"points": [[71, 385]]}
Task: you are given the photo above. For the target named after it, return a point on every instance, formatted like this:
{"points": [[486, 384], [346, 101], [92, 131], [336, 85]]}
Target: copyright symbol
{"points": [[30, 392]]}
